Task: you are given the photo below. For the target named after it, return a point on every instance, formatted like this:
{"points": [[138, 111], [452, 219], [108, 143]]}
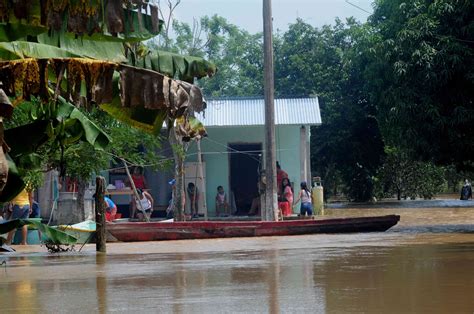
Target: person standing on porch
{"points": [[138, 178], [193, 195], [280, 175], [306, 203], [285, 201], [222, 206]]}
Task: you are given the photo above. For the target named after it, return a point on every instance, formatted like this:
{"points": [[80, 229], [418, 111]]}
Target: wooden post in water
{"points": [[100, 214], [271, 204]]}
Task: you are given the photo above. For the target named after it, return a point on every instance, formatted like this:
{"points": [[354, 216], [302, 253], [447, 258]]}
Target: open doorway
{"points": [[245, 161]]}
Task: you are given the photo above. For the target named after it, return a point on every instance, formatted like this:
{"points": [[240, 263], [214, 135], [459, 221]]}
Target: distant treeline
{"points": [[396, 92]]}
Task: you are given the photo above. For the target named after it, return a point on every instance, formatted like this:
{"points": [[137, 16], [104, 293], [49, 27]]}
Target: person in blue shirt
{"points": [[110, 208], [35, 210]]}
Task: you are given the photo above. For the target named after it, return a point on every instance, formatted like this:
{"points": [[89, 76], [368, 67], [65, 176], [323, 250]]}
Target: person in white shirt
{"points": [[305, 197], [144, 203]]}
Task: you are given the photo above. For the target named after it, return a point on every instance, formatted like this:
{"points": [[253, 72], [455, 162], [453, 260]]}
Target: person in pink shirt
{"points": [[285, 202], [280, 175]]}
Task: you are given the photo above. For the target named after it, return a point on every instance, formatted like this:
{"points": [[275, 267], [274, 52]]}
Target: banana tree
{"points": [[136, 91], [99, 68]]}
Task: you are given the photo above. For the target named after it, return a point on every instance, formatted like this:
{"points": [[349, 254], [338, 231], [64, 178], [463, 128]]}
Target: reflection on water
{"points": [[424, 264]]}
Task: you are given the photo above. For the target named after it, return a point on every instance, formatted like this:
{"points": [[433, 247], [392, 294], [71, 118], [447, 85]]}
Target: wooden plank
{"points": [[100, 215]]}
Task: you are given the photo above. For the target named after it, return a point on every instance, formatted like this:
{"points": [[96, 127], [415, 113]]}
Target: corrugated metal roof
{"points": [[250, 111]]}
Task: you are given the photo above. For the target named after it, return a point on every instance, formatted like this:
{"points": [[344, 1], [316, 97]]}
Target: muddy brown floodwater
{"points": [[424, 264]]}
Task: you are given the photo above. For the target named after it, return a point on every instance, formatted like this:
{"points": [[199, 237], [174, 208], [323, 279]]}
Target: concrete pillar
{"points": [[308, 156], [303, 154]]}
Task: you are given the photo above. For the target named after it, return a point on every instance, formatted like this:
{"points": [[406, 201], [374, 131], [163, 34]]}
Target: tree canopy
{"points": [[422, 77], [70, 55], [402, 81]]}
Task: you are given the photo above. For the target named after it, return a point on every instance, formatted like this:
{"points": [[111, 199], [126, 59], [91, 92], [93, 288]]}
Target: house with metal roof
{"points": [[232, 153]]}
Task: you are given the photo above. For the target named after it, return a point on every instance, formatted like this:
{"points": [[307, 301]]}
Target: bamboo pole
{"points": [[100, 215], [271, 204]]}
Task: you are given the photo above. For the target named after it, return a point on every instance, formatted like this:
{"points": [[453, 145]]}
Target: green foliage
{"points": [[455, 178], [133, 145], [87, 19], [404, 79], [327, 62], [238, 56], [51, 128], [404, 177], [185, 68], [236, 53], [53, 236], [80, 159], [431, 179], [23, 49], [330, 62], [422, 77]]}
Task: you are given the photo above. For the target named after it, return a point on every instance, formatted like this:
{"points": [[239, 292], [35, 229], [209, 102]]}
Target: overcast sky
{"points": [[248, 13]]}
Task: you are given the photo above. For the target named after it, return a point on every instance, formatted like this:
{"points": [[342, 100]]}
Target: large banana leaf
{"points": [[85, 47], [185, 68], [37, 131], [14, 185], [143, 98], [33, 134], [24, 49], [91, 133], [15, 31], [136, 28], [150, 121], [68, 48], [189, 128], [16, 28], [52, 235]]}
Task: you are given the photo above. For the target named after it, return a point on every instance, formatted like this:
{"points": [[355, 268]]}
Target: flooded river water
{"points": [[424, 264]]}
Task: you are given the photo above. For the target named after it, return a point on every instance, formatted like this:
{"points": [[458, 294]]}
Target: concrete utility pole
{"points": [[271, 201]]}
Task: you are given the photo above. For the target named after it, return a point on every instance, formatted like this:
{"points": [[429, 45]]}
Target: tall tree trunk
{"points": [[179, 196], [3, 159], [80, 210]]}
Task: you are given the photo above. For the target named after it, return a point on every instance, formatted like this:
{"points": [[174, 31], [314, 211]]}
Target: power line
{"points": [[358, 7]]}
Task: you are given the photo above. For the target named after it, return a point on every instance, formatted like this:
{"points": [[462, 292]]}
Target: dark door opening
{"points": [[245, 161]]}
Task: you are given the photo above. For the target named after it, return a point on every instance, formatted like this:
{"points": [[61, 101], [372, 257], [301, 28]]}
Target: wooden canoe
{"points": [[159, 231]]}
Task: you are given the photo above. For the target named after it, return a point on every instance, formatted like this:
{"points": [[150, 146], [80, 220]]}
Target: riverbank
{"points": [[439, 202]]}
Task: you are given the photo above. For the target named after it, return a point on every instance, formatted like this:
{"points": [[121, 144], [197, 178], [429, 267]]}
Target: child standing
{"points": [[285, 201], [221, 202], [305, 197], [193, 195]]}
